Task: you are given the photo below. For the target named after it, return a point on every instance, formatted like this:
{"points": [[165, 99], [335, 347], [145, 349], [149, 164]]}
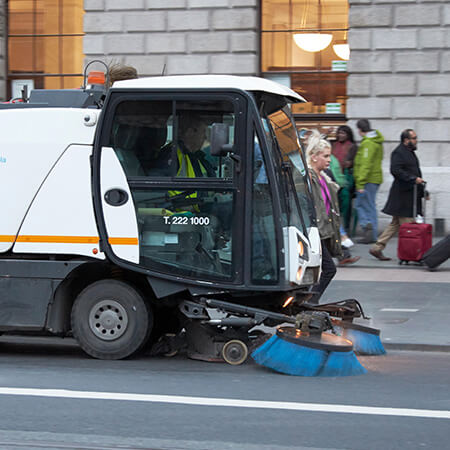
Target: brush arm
{"points": [[348, 309], [260, 315]]}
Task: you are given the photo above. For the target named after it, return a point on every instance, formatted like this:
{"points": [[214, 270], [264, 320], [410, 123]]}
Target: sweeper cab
{"points": [[118, 228]]}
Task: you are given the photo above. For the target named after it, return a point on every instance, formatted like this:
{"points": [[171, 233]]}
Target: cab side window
{"points": [[171, 138], [141, 135]]}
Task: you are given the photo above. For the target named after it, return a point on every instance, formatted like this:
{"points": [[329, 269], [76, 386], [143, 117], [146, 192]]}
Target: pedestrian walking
{"points": [[344, 150], [368, 176], [335, 173], [318, 153], [406, 171]]}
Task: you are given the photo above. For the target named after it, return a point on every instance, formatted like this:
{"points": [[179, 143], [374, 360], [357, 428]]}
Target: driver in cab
{"points": [[191, 160]]}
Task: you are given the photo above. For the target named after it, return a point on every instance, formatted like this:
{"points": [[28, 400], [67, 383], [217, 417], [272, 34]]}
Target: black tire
{"points": [[111, 320]]}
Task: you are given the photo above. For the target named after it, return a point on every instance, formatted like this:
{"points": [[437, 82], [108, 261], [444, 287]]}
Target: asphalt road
{"points": [[41, 382], [410, 315]]}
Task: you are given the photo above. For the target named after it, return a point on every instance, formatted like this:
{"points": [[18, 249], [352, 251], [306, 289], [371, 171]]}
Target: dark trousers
{"points": [[328, 273]]}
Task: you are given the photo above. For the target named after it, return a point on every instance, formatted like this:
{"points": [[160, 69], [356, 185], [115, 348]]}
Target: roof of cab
{"points": [[211, 82]]}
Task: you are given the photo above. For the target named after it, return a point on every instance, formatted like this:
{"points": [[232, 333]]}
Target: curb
{"points": [[416, 347], [369, 266], [394, 266]]}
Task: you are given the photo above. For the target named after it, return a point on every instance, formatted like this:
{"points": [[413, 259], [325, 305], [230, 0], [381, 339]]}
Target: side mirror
{"points": [[220, 141]]}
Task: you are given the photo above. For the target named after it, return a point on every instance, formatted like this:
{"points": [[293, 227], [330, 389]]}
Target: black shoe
{"points": [[365, 240], [367, 235]]}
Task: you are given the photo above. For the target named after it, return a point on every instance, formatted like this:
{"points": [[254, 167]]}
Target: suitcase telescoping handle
{"points": [[424, 203]]}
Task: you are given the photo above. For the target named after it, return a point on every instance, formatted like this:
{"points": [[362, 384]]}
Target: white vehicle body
{"points": [[59, 229], [33, 145], [250, 84]]}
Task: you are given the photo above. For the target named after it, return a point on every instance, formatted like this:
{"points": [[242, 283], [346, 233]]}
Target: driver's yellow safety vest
{"points": [[186, 170]]}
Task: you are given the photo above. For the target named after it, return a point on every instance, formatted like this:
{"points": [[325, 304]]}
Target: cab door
{"points": [[175, 206]]}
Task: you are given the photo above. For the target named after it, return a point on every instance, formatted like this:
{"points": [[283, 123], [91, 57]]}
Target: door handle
{"points": [[116, 197]]}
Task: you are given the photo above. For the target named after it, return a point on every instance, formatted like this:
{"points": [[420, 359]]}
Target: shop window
{"points": [[305, 43], [45, 44]]}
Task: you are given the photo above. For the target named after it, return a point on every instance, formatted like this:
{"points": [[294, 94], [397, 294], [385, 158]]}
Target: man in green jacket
{"points": [[368, 177]]}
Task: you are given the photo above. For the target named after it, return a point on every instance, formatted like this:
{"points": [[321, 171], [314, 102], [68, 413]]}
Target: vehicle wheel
{"points": [[110, 320], [234, 352]]}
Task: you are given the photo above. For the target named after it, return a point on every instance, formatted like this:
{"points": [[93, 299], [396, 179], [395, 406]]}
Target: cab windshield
{"points": [[281, 131]]}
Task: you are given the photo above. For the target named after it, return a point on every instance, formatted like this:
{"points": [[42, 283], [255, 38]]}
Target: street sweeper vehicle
{"points": [[160, 205]]}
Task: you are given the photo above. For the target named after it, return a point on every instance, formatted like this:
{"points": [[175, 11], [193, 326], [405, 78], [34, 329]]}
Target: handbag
{"points": [[335, 240], [335, 220]]}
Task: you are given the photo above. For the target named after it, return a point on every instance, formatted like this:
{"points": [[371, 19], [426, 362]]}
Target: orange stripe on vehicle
{"points": [[7, 238], [35, 239], [123, 241], [59, 239]]}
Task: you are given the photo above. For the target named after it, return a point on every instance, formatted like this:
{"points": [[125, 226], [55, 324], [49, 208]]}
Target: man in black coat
{"points": [[406, 172]]}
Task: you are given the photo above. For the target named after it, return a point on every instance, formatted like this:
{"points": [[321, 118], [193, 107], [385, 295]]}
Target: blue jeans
{"points": [[366, 207]]}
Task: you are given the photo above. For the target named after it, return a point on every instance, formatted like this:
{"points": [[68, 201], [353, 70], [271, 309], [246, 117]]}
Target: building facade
{"points": [[399, 77], [175, 37], [398, 74]]}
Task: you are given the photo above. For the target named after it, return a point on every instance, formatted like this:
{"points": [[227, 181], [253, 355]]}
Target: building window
{"points": [[45, 44], [304, 45]]}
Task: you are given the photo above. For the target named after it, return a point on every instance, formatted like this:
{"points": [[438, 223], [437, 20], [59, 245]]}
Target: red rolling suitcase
{"points": [[414, 239]]}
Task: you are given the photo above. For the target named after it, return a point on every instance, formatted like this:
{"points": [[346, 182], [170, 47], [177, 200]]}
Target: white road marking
{"points": [[228, 402], [399, 309]]}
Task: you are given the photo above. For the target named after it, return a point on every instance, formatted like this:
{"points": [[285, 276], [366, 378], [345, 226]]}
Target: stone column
{"points": [[399, 77]]}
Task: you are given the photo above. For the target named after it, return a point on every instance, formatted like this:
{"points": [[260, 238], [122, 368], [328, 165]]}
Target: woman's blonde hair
{"points": [[316, 143]]}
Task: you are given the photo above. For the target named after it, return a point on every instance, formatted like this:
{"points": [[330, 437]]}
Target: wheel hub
{"points": [[108, 320], [235, 352]]}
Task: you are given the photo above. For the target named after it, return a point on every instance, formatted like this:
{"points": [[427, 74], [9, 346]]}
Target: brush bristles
{"points": [[363, 343], [293, 359], [342, 364], [289, 358]]}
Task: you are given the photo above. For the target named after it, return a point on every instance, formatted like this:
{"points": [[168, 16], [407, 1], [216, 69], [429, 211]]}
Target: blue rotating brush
{"points": [[294, 352], [366, 340]]}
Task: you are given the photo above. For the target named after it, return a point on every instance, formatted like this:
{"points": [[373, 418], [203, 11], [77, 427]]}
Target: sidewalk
{"points": [[408, 303], [368, 260]]}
